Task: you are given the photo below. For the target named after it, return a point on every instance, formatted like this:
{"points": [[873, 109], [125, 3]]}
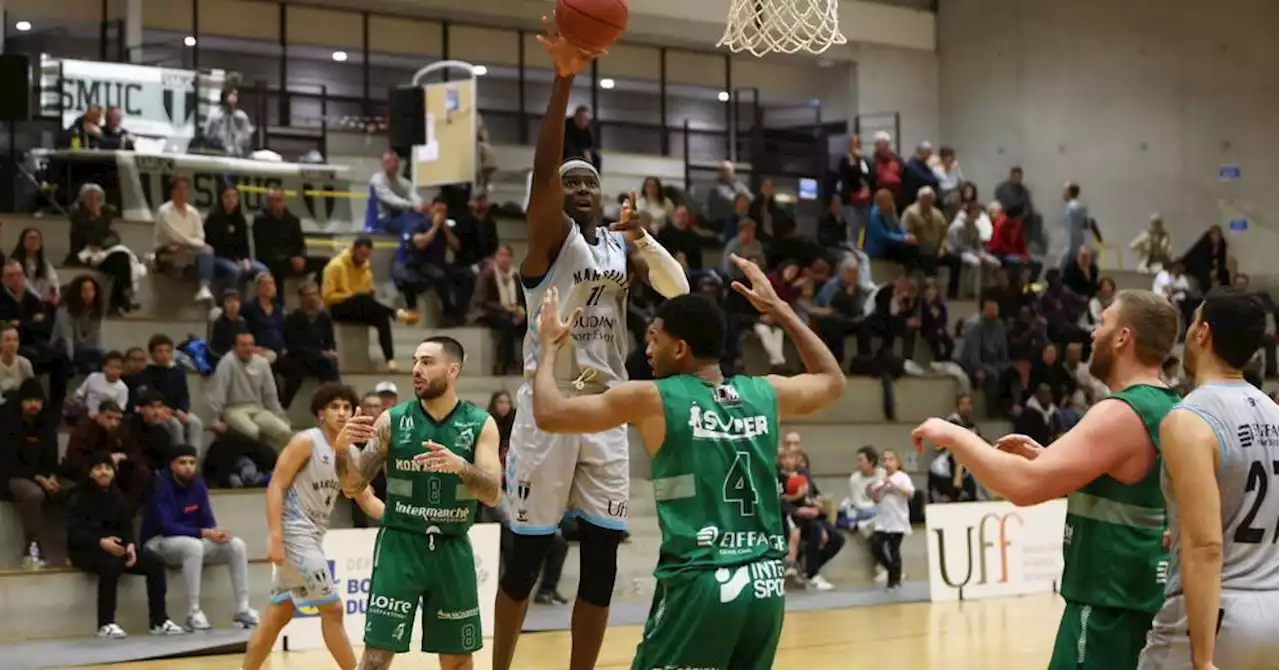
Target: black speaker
{"points": [[15, 88], [408, 117]]}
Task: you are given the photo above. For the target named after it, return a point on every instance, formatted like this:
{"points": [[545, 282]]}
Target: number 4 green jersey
{"points": [[713, 478], [425, 502]]}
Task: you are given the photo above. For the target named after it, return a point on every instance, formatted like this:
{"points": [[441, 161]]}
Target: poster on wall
{"points": [[993, 549]]}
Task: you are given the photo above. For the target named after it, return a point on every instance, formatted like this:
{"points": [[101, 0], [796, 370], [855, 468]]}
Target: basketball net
{"points": [[782, 26]]}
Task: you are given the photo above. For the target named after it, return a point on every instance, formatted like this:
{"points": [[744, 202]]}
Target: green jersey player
{"points": [[719, 600]]}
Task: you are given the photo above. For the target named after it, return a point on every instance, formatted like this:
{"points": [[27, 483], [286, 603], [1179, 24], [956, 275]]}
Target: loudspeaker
{"points": [[15, 88], [408, 117]]}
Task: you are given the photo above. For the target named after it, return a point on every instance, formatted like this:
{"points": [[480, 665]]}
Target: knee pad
{"points": [[524, 563], [598, 554]]}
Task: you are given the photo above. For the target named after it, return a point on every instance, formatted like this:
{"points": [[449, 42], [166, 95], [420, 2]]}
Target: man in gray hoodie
{"points": [[985, 355]]}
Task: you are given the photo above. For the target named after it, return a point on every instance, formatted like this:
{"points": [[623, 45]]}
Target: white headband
{"points": [[578, 164]]}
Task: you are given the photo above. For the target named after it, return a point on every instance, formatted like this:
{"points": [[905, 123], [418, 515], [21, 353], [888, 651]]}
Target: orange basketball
{"points": [[591, 24]]}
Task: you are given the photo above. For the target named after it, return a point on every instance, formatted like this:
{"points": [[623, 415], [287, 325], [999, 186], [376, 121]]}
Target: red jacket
{"points": [[1007, 238], [888, 169]]}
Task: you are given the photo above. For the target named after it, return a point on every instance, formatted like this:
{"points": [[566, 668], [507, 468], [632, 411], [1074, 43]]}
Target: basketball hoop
{"points": [[782, 26]]}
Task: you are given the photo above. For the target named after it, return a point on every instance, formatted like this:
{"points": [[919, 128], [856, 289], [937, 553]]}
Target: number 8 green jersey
{"points": [[713, 479], [425, 502]]}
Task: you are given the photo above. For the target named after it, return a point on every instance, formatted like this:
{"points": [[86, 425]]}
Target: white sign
{"points": [[350, 553], [991, 549]]}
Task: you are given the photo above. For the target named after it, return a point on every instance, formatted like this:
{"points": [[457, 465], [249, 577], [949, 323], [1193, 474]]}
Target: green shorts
{"points": [[723, 618], [437, 571], [1099, 637]]}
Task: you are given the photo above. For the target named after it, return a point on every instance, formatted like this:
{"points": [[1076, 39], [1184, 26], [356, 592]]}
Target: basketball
{"points": [[591, 24], [796, 483]]}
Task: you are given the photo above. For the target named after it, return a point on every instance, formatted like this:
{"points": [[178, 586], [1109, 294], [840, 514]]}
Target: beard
{"points": [[1101, 362], [434, 389]]}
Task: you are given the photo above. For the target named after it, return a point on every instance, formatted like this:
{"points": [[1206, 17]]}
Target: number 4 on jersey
{"points": [[738, 486]]}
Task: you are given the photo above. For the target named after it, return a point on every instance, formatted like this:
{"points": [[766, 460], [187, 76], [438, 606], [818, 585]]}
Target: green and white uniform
{"points": [[1115, 562], [719, 600], [423, 555]]}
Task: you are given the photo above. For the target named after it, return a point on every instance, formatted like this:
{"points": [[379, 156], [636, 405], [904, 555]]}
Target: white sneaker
{"points": [[819, 583], [882, 576], [204, 294], [198, 621], [169, 628], [112, 632], [246, 619]]}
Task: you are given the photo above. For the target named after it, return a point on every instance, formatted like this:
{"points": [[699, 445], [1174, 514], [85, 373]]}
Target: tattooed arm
{"points": [[363, 465]]}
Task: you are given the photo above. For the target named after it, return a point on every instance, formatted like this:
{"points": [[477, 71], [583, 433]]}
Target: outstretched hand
{"points": [[940, 432], [552, 331], [569, 59], [628, 223], [761, 294]]}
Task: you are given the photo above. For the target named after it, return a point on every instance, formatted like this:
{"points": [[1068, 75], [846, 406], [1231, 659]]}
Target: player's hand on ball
{"points": [[358, 429], [761, 293], [552, 331], [439, 459], [628, 223], [1020, 445], [941, 433], [568, 59]]}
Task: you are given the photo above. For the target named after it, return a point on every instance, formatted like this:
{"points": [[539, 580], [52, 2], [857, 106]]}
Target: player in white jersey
{"points": [[586, 476], [1221, 463], [304, 486]]}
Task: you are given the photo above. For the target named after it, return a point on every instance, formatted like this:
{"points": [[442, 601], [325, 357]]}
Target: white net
{"points": [[782, 26]]}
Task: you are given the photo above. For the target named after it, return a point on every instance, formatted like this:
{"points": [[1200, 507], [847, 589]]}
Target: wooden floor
{"points": [[985, 634]]}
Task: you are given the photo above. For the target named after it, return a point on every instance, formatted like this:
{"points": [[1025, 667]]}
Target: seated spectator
{"points": [[1101, 300], [1154, 247], [264, 317], [1089, 389], [100, 541], [147, 426], [169, 381], [926, 223], [1035, 417], [244, 397], [278, 242], [135, 364], [309, 344], [78, 324], [95, 244], [729, 224], [950, 481], [114, 137], [656, 203], [21, 307], [179, 528], [42, 278], [822, 539], [1048, 369], [964, 241], [1062, 309], [1081, 274], [1028, 335], [1206, 261], [934, 326], [400, 208], [227, 232], [14, 367], [985, 353], [476, 239], [722, 197], [892, 495], [766, 211], [684, 243], [1009, 242], [499, 304], [85, 131], [422, 264], [746, 245], [28, 467], [896, 315], [104, 386], [841, 310], [228, 127], [789, 244], [349, 296], [858, 510], [105, 432], [1172, 281], [885, 237], [834, 226], [917, 173], [179, 238], [223, 329]]}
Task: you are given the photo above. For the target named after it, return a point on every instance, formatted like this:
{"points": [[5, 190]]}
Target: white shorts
{"points": [[551, 476], [304, 577], [1246, 633]]}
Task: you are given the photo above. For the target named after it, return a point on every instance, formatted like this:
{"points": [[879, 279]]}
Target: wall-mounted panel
{"points": [[404, 36], [492, 46], [323, 27], [240, 18]]}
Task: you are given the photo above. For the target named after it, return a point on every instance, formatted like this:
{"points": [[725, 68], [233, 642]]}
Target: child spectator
{"points": [[169, 381], [858, 510], [222, 332], [100, 387], [893, 494], [822, 540], [78, 324]]}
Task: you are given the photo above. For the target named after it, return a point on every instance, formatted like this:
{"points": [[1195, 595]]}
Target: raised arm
{"points": [[822, 381], [545, 214]]}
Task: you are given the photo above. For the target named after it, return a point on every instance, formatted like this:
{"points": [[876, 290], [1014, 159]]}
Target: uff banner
{"points": [[350, 553], [991, 549], [157, 102]]}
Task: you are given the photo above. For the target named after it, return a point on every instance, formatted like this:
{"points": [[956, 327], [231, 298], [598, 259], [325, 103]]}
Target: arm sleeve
{"points": [[666, 276]]}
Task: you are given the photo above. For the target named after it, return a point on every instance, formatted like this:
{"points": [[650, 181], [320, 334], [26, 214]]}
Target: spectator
{"points": [[1075, 223], [741, 212], [896, 315], [1081, 274], [14, 367], [20, 307], [822, 539], [244, 396], [857, 183], [1009, 242], [1050, 371], [684, 243], [964, 241], [1089, 389], [950, 179], [858, 510], [28, 467], [1171, 281], [968, 194], [892, 495], [916, 175], [888, 168], [94, 243], [227, 233], [766, 211], [950, 481], [934, 324], [78, 324], [104, 432], [653, 201], [985, 354], [503, 412], [348, 294], [1206, 261], [264, 316], [1035, 417], [746, 245], [841, 310], [789, 244], [228, 127], [499, 304], [179, 238], [1014, 195], [1154, 247], [1027, 334], [477, 234], [147, 426], [105, 386], [169, 381], [309, 344], [421, 263], [885, 237], [100, 541], [85, 131], [1062, 309], [579, 141], [389, 394], [114, 137], [929, 227], [834, 228], [42, 279], [278, 242], [399, 206], [722, 198], [223, 330], [135, 364], [179, 528]]}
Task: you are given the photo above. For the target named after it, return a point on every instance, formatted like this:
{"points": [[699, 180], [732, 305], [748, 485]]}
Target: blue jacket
{"points": [[881, 235], [175, 510], [268, 331]]}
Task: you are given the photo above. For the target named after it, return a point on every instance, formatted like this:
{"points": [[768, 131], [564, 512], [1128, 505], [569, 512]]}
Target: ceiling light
{"points": [[479, 70], [22, 26], [189, 41], [340, 56], [607, 83], [723, 96]]}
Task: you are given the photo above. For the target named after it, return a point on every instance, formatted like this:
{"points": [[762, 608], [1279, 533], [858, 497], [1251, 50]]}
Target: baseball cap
{"points": [[386, 387]]}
